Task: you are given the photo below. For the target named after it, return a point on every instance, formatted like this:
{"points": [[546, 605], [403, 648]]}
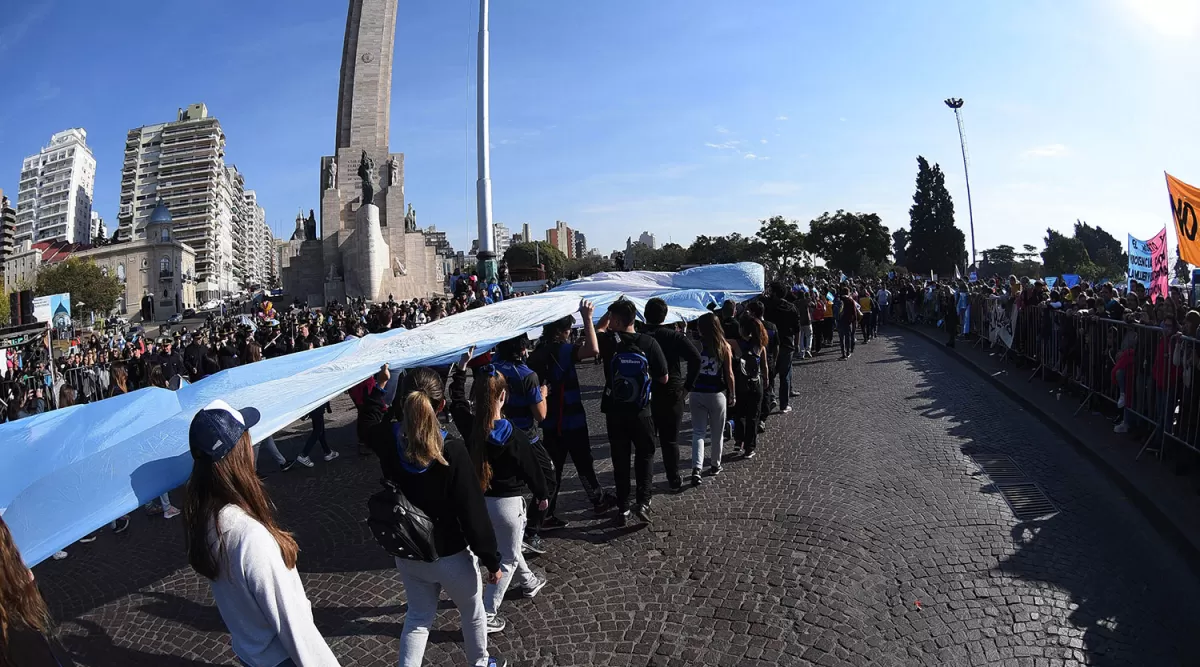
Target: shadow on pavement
{"points": [[1108, 606]]}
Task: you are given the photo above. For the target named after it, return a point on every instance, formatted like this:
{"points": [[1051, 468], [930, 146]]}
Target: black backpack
{"points": [[748, 366], [629, 387], [401, 528]]}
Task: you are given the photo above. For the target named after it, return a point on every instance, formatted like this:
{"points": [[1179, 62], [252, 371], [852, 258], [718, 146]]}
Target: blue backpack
{"points": [[629, 387]]}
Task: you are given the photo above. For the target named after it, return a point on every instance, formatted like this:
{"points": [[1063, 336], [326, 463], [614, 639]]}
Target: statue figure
{"points": [[331, 174], [393, 171], [310, 226], [410, 219], [366, 172], [398, 268]]}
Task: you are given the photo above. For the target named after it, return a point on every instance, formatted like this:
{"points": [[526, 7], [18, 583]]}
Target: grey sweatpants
{"points": [[458, 575], [708, 417], [508, 519]]}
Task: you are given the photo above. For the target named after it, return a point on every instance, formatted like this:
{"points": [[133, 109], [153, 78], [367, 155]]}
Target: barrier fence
{"points": [[1148, 375]]}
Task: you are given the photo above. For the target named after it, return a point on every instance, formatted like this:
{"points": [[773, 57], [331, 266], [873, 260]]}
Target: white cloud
{"points": [[781, 118], [1171, 18], [843, 119], [1049, 150], [762, 141], [16, 29], [778, 188], [725, 145], [752, 156], [722, 130]]}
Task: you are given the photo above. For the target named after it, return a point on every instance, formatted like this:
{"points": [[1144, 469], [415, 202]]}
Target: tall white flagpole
{"points": [[483, 190]]}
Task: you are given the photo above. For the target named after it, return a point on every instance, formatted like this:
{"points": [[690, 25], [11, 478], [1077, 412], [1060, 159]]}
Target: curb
{"points": [[1162, 522]]}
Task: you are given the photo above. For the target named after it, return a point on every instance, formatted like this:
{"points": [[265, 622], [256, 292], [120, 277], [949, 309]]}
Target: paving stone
{"points": [[862, 501]]}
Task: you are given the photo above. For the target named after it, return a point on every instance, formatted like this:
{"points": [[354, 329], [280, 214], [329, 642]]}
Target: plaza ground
{"points": [[864, 533]]}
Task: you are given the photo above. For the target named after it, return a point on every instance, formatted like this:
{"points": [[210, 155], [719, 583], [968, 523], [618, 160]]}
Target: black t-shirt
{"points": [[654, 355], [785, 318], [676, 347]]}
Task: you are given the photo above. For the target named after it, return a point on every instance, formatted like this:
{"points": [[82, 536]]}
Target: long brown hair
{"points": [[21, 605], [212, 486], [422, 433], [253, 352], [119, 376], [487, 393], [712, 334], [157, 379], [753, 330], [66, 396]]}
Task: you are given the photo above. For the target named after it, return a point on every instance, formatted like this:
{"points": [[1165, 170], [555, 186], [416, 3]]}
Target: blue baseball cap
{"points": [[216, 429]]}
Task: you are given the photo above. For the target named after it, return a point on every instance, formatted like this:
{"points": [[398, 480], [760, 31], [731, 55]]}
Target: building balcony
{"points": [[166, 276]]}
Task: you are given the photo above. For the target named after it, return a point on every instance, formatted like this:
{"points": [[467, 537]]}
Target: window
{"points": [[166, 234], [121, 272], [164, 266]]}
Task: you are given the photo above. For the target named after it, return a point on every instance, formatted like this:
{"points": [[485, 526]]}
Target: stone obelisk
{"points": [[363, 119]]}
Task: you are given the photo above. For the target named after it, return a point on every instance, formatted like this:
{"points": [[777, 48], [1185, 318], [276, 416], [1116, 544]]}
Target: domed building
{"points": [[159, 272]]}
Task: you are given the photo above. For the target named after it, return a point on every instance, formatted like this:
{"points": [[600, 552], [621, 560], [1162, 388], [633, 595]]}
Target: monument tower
{"points": [[370, 247]]}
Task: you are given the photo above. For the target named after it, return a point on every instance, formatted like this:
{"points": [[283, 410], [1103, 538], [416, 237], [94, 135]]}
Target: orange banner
{"points": [[1185, 199]]}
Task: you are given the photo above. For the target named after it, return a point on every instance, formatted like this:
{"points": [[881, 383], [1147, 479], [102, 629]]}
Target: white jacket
{"points": [[262, 601]]}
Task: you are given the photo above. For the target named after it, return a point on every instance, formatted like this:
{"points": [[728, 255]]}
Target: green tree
{"points": [[91, 290], [782, 243], [848, 242], [4, 312], [526, 255], [585, 266], [900, 239], [998, 261], [1065, 254], [723, 249], [100, 240], [935, 244], [1105, 251], [671, 256]]}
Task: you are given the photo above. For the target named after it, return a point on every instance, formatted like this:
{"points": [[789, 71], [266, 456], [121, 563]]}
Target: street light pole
{"points": [[956, 104], [486, 258]]}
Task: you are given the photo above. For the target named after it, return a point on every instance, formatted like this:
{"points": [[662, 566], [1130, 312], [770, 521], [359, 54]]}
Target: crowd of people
{"points": [[484, 494], [487, 495]]}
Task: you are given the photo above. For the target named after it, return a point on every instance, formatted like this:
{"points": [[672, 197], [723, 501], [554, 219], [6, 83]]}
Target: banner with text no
{"points": [[1184, 201]]}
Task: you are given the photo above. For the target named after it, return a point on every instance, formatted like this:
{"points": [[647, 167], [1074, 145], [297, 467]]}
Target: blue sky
{"points": [[681, 117]]}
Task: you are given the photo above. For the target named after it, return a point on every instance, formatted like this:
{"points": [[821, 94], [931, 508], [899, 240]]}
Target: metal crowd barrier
{"points": [[1151, 375]]}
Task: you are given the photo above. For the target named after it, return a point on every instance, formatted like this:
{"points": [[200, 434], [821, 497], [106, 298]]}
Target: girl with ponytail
{"points": [[439, 477]]}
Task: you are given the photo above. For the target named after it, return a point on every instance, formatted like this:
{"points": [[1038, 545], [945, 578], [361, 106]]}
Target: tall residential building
{"points": [[96, 227], [580, 244], [250, 229], [647, 239], [54, 196], [563, 238], [501, 239], [184, 163], [526, 235]]}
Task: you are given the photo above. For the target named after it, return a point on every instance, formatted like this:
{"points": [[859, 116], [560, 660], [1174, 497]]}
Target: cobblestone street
{"points": [[863, 533]]}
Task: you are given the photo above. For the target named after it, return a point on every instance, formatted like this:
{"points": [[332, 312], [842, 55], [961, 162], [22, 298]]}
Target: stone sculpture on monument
{"points": [[366, 172]]}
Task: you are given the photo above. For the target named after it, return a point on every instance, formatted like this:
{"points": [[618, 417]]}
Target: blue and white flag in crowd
{"points": [[1070, 279], [67, 472]]}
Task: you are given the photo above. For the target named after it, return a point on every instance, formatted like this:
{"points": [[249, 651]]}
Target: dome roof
{"points": [[161, 215]]}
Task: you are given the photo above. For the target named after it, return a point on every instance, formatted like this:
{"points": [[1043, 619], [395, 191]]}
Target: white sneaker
{"points": [[304, 461], [171, 512], [59, 555], [1121, 428], [331, 455], [1121, 401]]}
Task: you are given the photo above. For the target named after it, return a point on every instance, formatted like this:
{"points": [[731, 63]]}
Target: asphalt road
{"points": [[864, 533]]}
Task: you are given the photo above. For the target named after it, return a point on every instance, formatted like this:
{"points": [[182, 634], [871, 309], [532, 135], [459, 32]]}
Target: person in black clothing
{"points": [[170, 360], [751, 368], [438, 477], [769, 403], [525, 407], [506, 467], [193, 358], [27, 637], [666, 404], [565, 429], [782, 313], [633, 366]]}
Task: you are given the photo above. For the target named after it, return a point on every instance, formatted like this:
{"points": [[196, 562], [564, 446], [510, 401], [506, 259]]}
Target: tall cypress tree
{"points": [[934, 244]]}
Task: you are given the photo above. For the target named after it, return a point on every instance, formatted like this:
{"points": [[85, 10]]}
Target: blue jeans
{"points": [[783, 368], [285, 663], [846, 338]]}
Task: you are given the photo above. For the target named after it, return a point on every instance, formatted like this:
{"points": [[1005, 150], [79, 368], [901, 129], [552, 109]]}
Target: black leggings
{"points": [[745, 416], [576, 444]]}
